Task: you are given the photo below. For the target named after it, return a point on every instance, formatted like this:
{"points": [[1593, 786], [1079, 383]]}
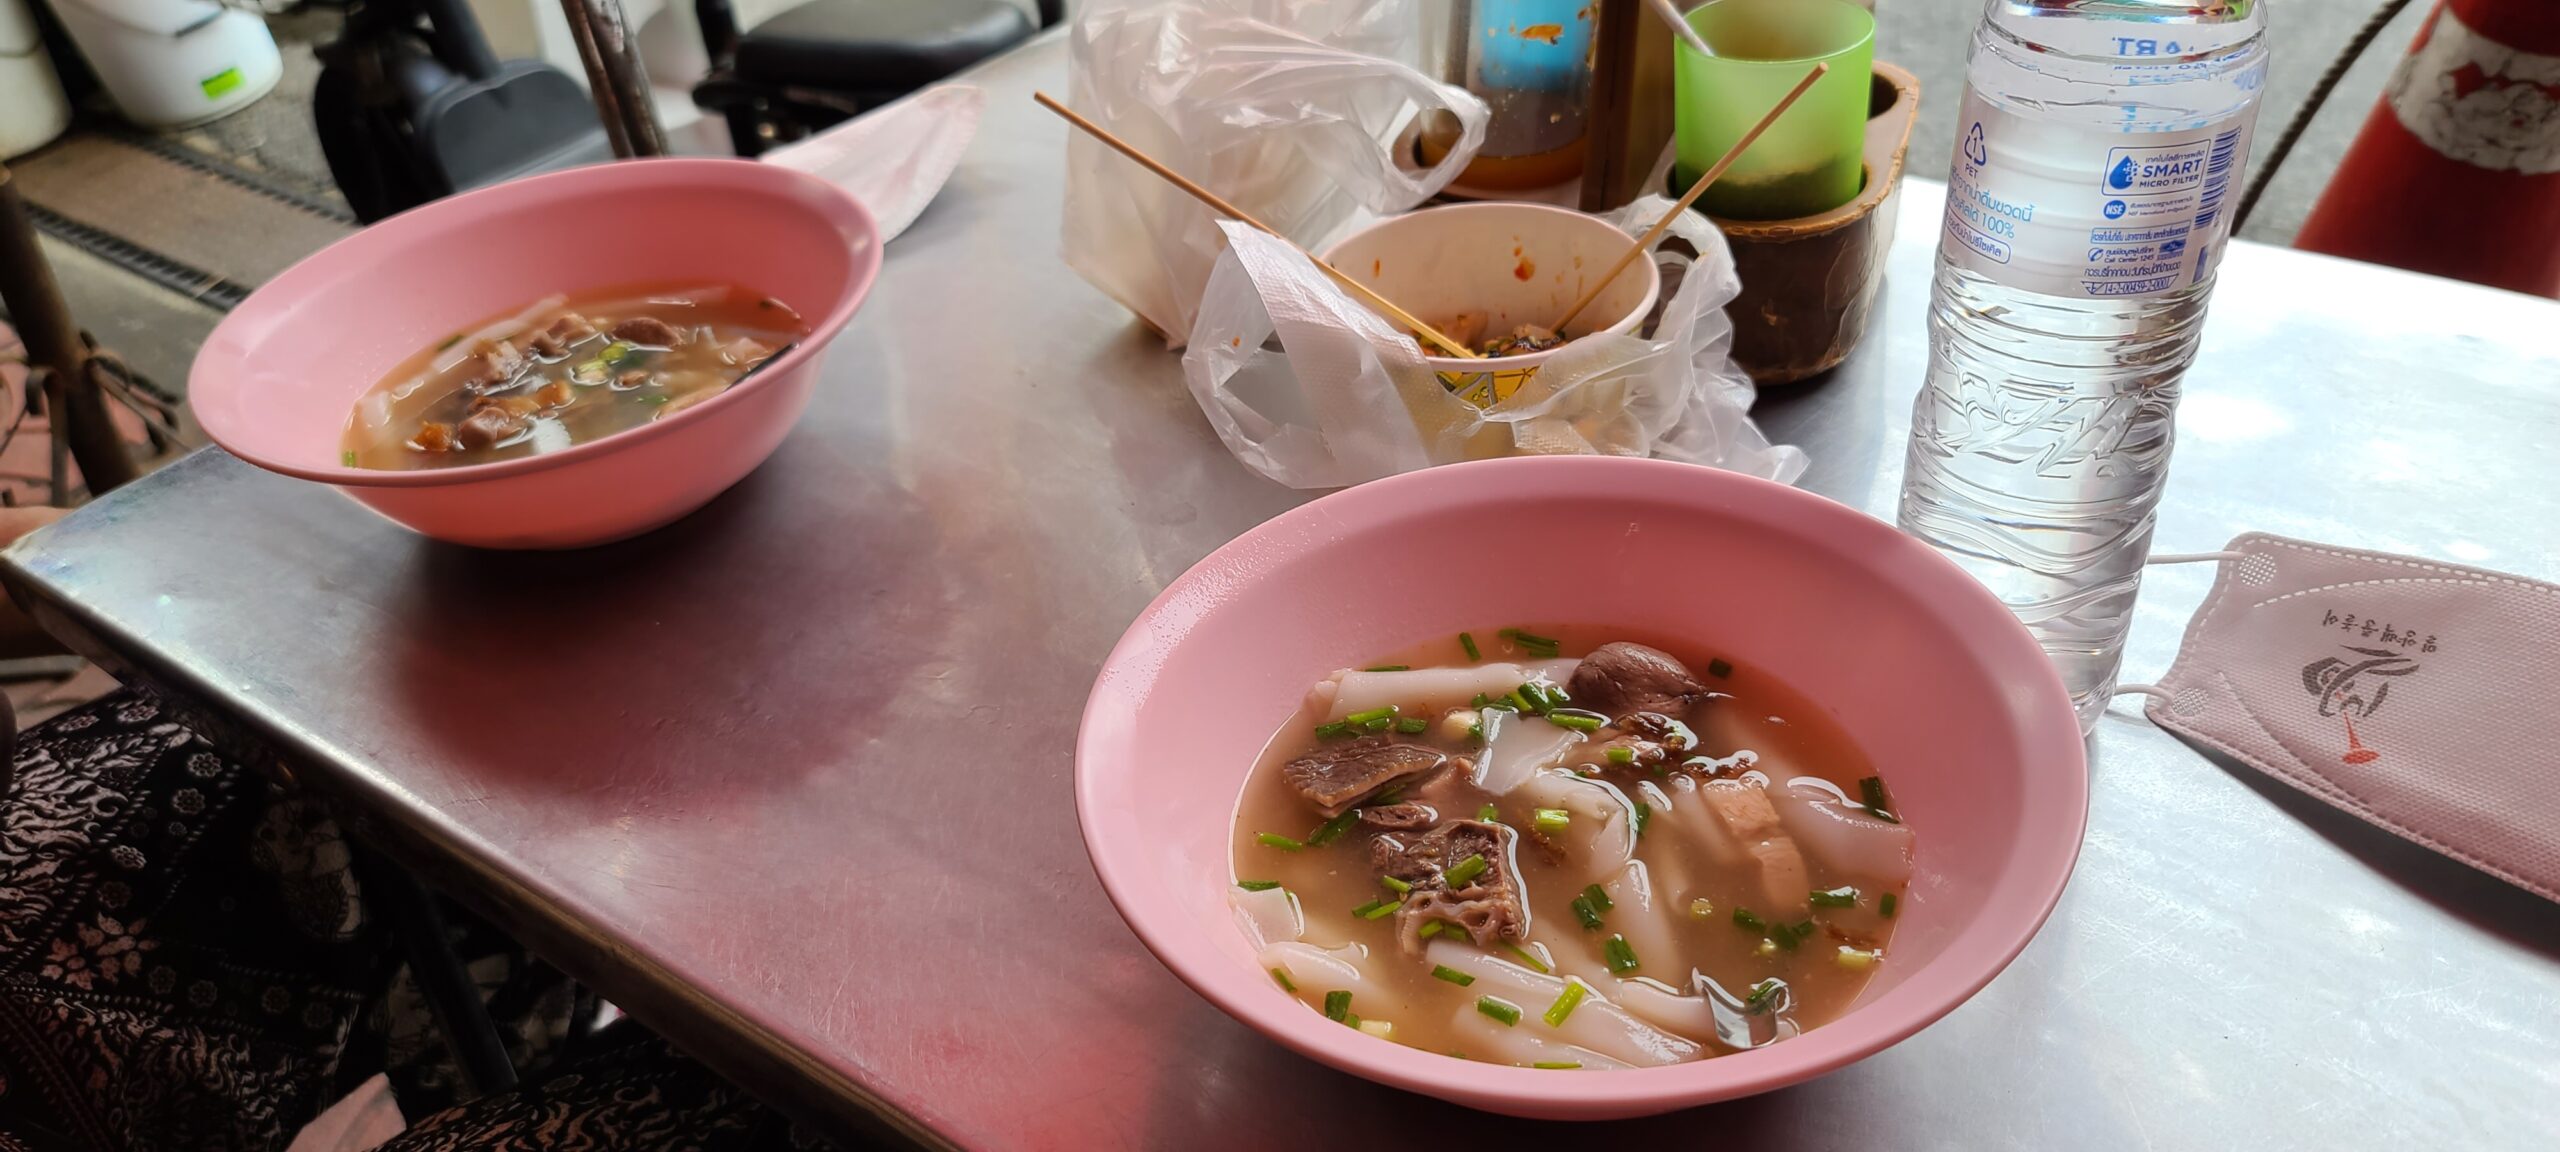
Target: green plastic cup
{"points": [[1808, 162]]}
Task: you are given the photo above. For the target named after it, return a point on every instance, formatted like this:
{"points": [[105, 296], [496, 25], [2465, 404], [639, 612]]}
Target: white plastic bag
{"points": [[893, 159], [1294, 130], [1347, 397]]}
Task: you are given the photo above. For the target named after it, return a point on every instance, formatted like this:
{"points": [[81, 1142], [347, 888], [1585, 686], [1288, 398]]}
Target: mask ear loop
{"points": [[2155, 691]]}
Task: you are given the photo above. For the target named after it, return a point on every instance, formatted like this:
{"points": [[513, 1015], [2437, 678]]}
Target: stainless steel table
{"points": [[790, 779]]}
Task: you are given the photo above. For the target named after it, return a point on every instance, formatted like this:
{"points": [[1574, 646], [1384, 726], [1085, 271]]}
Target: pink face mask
{"points": [[2410, 693]]}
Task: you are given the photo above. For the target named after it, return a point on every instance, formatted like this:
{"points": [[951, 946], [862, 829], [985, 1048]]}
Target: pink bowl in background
{"points": [[1948, 695], [275, 382]]}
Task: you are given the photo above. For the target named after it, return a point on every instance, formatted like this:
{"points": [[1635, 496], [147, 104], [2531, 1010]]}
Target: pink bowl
{"points": [[276, 380], [1942, 687]]}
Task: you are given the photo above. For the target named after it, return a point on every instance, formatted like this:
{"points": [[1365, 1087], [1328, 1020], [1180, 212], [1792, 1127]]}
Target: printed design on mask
{"points": [[2350, 688], [2369, 626]]}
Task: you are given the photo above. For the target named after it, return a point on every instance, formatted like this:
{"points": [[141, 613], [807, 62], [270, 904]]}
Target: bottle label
{"points": [[2058, 209]]}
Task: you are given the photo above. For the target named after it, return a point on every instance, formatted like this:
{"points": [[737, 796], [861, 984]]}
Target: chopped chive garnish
{"points": [[1526, 640], [1257, 885], [1465, 870], [1530, 958], [1364, 910], [1564, 1064], [1578, 721], [1520, 700], [1747, 919], [1430, 930], [347, 458], [1841, 897], [1329, 731], [1879, 804], [1412, 725], [1332, 830], [1475, 731], [1854, 959], [1394, 885], [1644, 816], [1763, 994], [1702, 908], [1452, 975], [1282, 975], [1599, 898], [1564, 1004], [1719, 669], [1380, 724], [1885, 905], [1488, 813], [1390, 668], [1380, 910], [1337, 1005], [1499, 1009], [1621, 955], [450, 341], [1468, 642], [1552, 820], [1790, 935], [1352, 1020], [1389, 796], [1498, 703], [1585, 912], [1386, 713], [1622, 754], [1381, 1029], [1276, 840]]}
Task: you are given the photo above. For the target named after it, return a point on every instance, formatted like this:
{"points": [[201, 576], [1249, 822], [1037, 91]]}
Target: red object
{"points": [[2457, 172]]}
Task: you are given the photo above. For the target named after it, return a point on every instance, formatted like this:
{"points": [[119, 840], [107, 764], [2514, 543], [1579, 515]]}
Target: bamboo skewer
{"points": [[1232, 212], [1654, 233]]}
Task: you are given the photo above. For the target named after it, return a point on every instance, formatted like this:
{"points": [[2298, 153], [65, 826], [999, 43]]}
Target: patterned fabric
{"points": [[641, 1098]]}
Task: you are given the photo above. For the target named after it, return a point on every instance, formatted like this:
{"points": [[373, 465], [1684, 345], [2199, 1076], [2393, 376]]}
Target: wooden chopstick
{"points": [[1232, 212], [1691, 197]]}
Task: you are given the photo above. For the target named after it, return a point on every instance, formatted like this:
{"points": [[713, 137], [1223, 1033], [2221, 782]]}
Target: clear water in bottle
{"points": [[2098, 153]]}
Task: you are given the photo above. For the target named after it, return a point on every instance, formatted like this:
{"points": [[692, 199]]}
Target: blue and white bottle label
{"points": [[2057, 209]]}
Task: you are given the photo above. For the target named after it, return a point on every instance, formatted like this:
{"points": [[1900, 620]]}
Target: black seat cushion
{"points": [[877, 46]]}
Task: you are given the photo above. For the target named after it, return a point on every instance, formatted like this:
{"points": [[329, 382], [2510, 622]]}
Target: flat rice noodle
{"points": [[1596, 1023], [1602, 835], [1643, 920], [1688, 817], [1715, 1016], [1853, 845], [1516, 748], [1419, 692], [1313, 969], [1267, 917], [1485, 1038]]}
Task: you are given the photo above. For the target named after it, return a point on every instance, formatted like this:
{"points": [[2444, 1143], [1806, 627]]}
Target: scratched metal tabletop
{"points": [[790, 779]]}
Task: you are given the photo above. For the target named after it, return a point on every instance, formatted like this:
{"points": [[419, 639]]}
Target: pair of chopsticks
{"points": [[1381, 303]]}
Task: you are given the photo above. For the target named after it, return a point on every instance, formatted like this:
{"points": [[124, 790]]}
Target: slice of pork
{"points": [[1336, 776]]}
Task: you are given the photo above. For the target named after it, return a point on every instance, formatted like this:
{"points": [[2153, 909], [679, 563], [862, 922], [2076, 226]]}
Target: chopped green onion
{"points": [[1763, 994], [1378, 1028], [1879, 804], [1386, 713], [1552, 820], [1412, 725], [1390, 668], [1282, 975], [1766, 947], [1475, 731], [1465, 870], [1375, 909], [1488, 813], [1276, 840], [347, 458], [1380, 724], [1790, 935], [1599, 898], [1503, 703], [1621, 955], [1337, 1005], [1257, 885], [1332, 830], [1520, 700], [450, 341], [1566, 1064], [1885, 905], [1388, 796], [1719, 669], [1452, 975], [1351, 1020], [1644, 816], [1577, 720], [1841, 897], [1399, 887], [1702, 908], [1855, 959], [1329, 731], [1621, 754], [1585, 912], [1746, 918], [1530, 958], [1430, 930], [1499, 1009], [1468, 642], [1565, 1001], [1526, 640]]}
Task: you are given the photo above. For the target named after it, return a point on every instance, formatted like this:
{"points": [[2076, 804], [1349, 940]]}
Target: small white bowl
{"points": [[1519, 263]]}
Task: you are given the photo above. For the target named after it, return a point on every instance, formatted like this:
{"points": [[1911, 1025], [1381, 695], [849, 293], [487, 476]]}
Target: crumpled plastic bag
{"points": [[1346, 397], [893, 159], [1297, 131]]}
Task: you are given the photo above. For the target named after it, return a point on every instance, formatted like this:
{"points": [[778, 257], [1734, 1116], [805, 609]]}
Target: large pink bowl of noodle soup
{"points": [[1925, 671], [275, 382]]}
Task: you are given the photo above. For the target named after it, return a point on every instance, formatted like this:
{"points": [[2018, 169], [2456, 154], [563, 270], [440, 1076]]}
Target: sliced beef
{"points": [[487, 427], [495, 363], [1617, 679], [647, 330], [1404, 817], [567, 329], [1489, 905], [1336, 776]]}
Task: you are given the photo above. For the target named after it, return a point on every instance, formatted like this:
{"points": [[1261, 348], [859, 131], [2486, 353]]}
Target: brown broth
{"points": [[1791, 736], [581, 386]]}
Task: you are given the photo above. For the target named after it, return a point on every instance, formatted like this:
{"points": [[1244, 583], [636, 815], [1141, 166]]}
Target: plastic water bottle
{"points": [[2099, 152]]}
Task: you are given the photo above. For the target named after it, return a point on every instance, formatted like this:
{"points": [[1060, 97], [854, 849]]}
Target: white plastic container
{"points": [[32, 108], [172, 63]]}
